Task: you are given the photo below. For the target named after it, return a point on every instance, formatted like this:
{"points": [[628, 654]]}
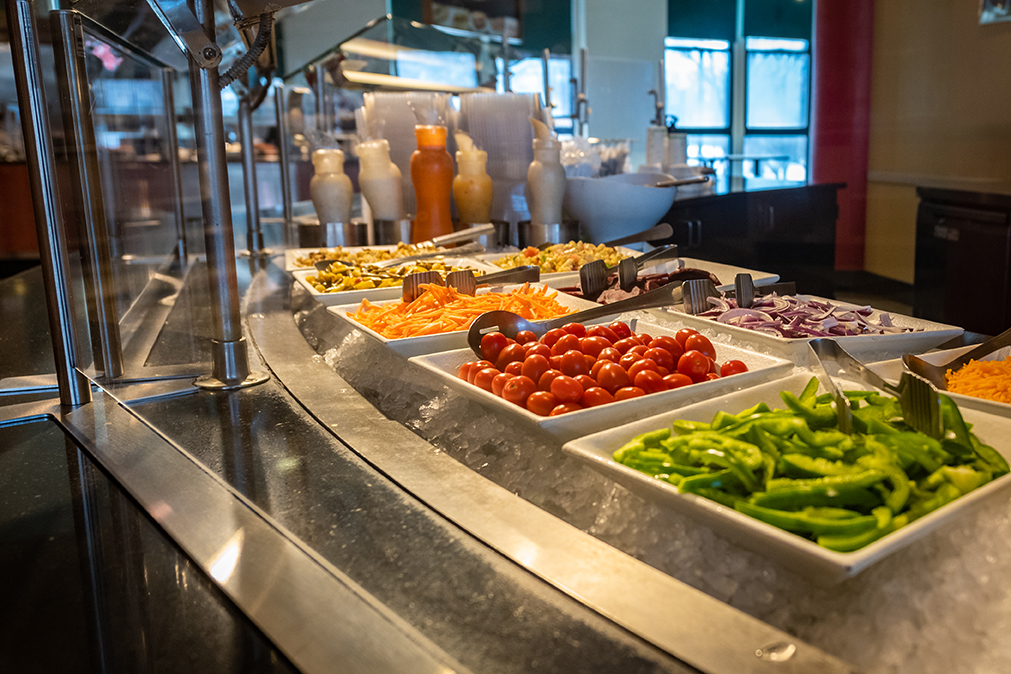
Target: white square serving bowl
{"points": [[379, 294], [292, 254], [892, 370], [445, 341], [803, 556], [927, 334], [761, 368]]}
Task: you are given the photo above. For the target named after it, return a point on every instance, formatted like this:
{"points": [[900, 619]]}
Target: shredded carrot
{"points": [[442, 309], [988, 379]]}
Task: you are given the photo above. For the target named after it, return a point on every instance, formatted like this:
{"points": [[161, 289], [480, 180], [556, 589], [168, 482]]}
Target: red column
{"points": [[844, 33]]}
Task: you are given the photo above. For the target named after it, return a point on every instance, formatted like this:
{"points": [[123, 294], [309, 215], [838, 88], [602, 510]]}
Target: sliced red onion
{"points": [[792, 317]]}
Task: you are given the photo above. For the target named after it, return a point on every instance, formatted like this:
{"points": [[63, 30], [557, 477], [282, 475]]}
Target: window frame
{"points": [[783, 130], [738, 50]]}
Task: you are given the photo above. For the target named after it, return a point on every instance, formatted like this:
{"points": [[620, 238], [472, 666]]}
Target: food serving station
{"points": [[282, 476]]}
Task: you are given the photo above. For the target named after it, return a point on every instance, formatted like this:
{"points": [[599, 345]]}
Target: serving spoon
{"points": [[661, 231], [935, 373], [509, 323]]}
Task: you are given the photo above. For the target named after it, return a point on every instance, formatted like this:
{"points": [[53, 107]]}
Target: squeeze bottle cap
{"points": [[429, 135], [328, 161]]}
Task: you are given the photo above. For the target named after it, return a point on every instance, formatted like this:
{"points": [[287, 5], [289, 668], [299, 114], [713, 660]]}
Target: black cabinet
{"points": [[963, 250], [790, 232]]}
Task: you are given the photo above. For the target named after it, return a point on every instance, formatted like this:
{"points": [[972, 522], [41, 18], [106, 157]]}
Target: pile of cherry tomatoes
{"points": [[575, 367]]}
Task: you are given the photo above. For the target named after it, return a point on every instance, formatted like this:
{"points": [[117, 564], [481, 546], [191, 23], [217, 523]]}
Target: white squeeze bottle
{"points": [[380, 180], [330, 188], [545, 178], [472, 186]]}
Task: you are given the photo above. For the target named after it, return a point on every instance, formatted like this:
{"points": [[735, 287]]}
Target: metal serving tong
{"points": [[935, 373], [921, 408], [698, 292], [437, 242], [467, 249], [593, 275], [464, 280]]}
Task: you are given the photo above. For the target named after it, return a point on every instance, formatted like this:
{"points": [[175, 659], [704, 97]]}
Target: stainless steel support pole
{"points": [[546, 59], [321, 121], [287, 201], [85, 176], [75, 389], [254, 233], [168, 78], [228, 348]]}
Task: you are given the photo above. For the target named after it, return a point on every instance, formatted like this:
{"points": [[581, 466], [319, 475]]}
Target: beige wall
{"points": [[940, 115]]}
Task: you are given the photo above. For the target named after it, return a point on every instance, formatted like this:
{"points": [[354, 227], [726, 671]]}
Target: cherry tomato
{"points": [[577, 329], [573, 363], [612, 377], [464, 371], [552, 336], [596, 367], [662, 357], [509, 354], [539, 349], [733, 367], [700, 343], [662, 370], [610, 353], [623, 345], [629, 359], [525, 337], [645, 339], [640, 365], [492, 345], [668, 344], [638, 349], [499, 382], [627, 392], [683, 334], [586, 381], [601, 331], [542, 402], [477, 367], [534, 366], [621, 329], [677, 380], [649, 381], [712, 375], [483, 378], [589, 360], [544, 383], [556, 362], [566, 343], [564, 408], [518, 389], [592, 346], [595, 395], [566, 389], [695, 365], [514, 368]]}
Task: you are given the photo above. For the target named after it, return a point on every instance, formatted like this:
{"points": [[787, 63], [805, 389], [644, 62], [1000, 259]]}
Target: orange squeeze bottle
{"points": [[432, 175]]}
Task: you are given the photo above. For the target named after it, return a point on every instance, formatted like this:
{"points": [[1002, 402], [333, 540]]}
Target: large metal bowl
{"points": [[620, 205]]}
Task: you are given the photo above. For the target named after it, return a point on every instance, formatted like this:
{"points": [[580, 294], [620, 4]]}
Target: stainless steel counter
{"points": [[376, 521]]}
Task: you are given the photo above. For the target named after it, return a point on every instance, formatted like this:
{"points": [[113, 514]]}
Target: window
{"points": [[526, 76], [697, 79], [772, 143], [777, 108]]}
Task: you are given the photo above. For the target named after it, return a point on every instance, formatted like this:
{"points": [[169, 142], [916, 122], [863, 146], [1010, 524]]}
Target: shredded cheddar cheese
{"points": [[988, 379]]}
